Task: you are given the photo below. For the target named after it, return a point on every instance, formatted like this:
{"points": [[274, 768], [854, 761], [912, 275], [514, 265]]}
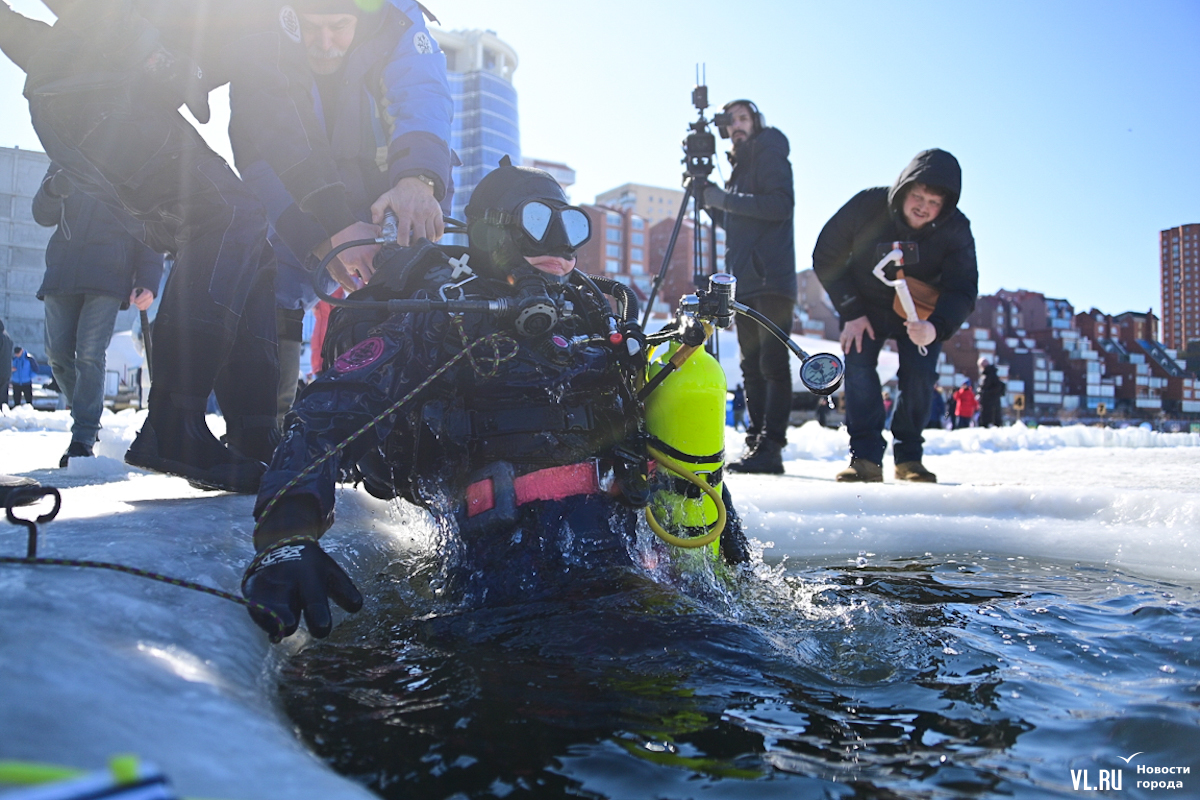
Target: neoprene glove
{"points": [[291, 575], [714, 197], [297, 577]]}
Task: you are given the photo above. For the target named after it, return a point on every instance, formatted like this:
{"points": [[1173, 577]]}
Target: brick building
{"points": [[1179, 261], [617, 248], [651, 203]]}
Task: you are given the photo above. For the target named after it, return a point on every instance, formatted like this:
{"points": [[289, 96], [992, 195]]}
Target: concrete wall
{"points": [[22, 248]]}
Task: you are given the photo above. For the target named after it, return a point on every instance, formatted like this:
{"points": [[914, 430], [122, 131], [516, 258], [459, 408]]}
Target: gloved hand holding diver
{"points": [[522, 428]]}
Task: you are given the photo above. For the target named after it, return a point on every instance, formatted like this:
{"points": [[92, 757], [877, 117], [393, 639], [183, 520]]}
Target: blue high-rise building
{"points": [[485, 125]]}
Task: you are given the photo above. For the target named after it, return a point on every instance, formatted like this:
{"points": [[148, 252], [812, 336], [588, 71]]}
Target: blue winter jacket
{"points": [[24, 366]]}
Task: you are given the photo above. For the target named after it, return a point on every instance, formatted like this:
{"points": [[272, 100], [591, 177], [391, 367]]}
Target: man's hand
{"points": [[852, 333], [293, 577], [417, 211], [714, 196], [354, 266], [921, 332], [141, 298]]}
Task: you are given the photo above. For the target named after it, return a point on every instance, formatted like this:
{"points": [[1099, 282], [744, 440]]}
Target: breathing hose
{"points": [[714, 531]]}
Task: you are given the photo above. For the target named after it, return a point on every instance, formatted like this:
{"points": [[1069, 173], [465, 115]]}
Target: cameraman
{"points": [[756, 209]]}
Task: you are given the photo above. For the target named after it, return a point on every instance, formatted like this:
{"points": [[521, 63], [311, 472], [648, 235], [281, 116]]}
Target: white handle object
{"points": [[901, 287]]}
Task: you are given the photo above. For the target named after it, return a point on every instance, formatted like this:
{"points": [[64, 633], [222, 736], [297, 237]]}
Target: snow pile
{"points": [[811, 442]]}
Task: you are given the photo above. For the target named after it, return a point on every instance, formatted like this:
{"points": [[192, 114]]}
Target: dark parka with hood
{"points": [[848, 249], [90, 252], [756, 212]]}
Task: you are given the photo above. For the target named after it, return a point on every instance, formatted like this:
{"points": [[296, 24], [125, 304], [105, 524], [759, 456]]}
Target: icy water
{"points": [[927, 677]]}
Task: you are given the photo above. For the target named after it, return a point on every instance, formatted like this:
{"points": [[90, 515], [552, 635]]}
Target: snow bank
{"points": [[814, 443]]}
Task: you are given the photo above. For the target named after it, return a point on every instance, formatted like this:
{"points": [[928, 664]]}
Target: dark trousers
{"points": [[215, 328], [989, 413], [865, 415], [766, 371], [21, 392]]}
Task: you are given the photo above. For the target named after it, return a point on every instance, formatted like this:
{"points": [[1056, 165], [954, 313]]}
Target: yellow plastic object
{"points": [[686, 416], [29, 773], [124, 769]]}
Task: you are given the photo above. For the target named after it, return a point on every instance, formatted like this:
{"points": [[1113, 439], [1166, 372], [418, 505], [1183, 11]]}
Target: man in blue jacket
{"points": [[756, 210], [104, 86], [379, 85], [94, 269], [23, 367], [920, 210]]}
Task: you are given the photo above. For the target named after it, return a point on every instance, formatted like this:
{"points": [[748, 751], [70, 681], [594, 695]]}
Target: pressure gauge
{"points": [[822, 373]]}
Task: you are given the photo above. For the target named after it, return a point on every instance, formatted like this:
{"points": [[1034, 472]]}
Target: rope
{"points": [[141, 573]]}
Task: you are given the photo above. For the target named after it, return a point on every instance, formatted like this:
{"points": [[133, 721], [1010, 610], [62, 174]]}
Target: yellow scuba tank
{"points": [[685, 415]]}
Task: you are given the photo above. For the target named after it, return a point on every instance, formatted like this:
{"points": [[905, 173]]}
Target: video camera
{"points": [[700, 145]]}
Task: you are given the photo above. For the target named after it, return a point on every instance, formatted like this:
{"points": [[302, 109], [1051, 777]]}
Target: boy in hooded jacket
{"points": [[921, 208]]}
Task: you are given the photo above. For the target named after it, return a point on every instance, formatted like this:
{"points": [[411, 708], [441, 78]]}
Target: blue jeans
{"points": [[865, 416], [78, 330]]}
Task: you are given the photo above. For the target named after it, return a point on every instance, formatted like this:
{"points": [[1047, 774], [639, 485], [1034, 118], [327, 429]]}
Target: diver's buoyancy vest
{"points": [[560, 399]]}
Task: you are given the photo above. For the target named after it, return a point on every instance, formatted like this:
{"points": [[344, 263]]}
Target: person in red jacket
{"points": [[965, 405]]}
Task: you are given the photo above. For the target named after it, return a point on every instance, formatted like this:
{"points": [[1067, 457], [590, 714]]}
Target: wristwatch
{"points": [[427, 180]]}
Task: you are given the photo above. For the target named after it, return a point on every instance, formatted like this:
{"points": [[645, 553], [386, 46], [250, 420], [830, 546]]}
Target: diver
{"points": [[521, 431]]}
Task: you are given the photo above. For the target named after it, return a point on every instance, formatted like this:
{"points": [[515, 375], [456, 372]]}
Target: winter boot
{"points": [[75, 450], [914, 471], [766, 458], [252, 437], [178, 442], [861, 471]]}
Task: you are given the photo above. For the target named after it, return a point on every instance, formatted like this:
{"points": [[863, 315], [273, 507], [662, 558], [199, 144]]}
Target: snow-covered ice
{"points": [[94, 663]]}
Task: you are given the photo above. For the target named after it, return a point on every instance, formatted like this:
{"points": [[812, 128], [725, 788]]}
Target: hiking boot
{"points": [[75, 450], [861, 471], [183, 445], [766, 458], [914, 471]]}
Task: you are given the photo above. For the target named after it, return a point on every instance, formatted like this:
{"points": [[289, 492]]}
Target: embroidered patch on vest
{"points": [[363, 354], [422, 43], [289, 20]]}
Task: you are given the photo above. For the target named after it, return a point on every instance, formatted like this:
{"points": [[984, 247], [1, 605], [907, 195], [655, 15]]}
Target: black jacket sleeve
{"points": [[774, 197], [959, 284], [831, 255], [47, 207], [20, 37]]}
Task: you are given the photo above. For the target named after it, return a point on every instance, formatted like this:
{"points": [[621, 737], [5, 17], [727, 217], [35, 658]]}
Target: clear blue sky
{"points": [[1076, 123]]}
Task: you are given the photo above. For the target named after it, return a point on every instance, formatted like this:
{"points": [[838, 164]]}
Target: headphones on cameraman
{"points": [[760, 121]]}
